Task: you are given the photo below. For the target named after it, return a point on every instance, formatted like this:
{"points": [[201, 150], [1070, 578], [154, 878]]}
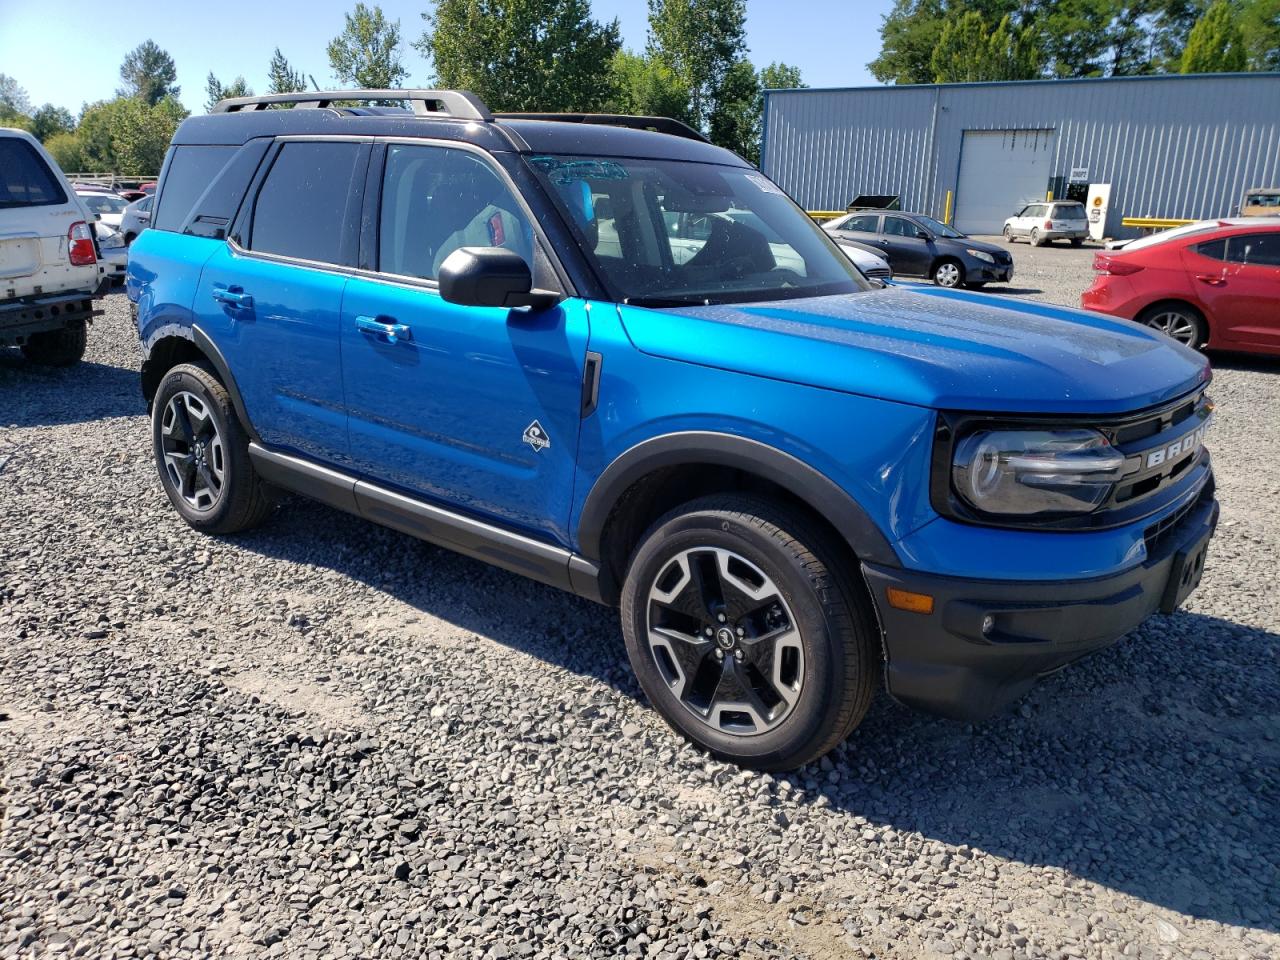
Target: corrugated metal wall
{"points": [[1185, 147]]}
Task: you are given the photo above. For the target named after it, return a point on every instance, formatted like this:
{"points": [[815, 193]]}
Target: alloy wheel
{"points": [[1176, 324], [947, 275], [724, 641], [194, 459]]}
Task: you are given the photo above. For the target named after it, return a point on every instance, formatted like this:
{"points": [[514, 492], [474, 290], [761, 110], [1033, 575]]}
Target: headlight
{"points": [[1032, 472], [981, 255]]}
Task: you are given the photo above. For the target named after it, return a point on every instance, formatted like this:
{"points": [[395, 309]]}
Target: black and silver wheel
{"points": [[948, 273], [743, 637], [57, 348], [1181, 323], [202, 453]]}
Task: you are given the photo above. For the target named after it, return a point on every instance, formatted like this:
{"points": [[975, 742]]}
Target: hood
{"points": [[971, 243], [933, 348]]}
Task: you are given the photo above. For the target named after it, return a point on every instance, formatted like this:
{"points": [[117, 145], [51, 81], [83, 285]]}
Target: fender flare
{"points": [[750, 456]]}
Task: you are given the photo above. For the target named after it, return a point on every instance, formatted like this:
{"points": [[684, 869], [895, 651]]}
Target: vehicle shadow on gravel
{"points": [[1244, 361], [48, 396], [1146, 768]]}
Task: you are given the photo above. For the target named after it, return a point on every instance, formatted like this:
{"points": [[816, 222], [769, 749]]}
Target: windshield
{"points": [[103, 203], [670, 233], [935, 226]]}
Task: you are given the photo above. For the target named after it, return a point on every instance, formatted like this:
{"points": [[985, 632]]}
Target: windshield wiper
{"points": [[668, 301]]}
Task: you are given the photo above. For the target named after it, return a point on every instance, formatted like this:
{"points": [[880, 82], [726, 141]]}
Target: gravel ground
{"points": [[326, 739]]}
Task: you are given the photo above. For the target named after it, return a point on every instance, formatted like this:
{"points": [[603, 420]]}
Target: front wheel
{"points": [[743, 635], [1008, 234], [57, 348], [202, 453], [948, 273]]}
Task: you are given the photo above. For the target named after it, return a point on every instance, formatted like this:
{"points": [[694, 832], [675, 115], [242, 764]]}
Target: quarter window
{"points": [[301, 209], [1213, 249], [1255, 249], [191, 170], [436, 200]]}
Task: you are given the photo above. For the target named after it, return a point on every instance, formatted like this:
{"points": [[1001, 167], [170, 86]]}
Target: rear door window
{"points": [[1255, 249], [301, 210], [25, 179], [191, 170]]}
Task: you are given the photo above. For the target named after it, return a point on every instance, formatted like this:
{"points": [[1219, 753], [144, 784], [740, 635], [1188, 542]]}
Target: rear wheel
{"points": [[202, 454], [1076, 241], [1178, 321], [742, 634], [948, 273], [1036, 240], [57, 348]]}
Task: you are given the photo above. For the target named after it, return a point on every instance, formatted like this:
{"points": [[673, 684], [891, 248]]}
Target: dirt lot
{"points": [[326, 739]]}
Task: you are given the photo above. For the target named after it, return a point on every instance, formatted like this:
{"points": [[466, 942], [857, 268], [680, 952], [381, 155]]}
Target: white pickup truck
{"points": [[50, 271]]}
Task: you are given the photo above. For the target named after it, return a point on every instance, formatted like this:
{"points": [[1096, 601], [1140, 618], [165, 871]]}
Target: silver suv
{"points": [[1046, 222]]}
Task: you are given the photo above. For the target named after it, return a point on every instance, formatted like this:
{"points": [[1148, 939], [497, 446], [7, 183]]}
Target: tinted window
{"points": [[301, 208], [897, 227], [435, 200], [1214, 249], [867, 223], [1256, 249], [25, 179], [1070, 211], [190, 172]]}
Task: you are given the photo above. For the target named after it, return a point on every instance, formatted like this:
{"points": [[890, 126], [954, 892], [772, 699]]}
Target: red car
{"points": [[1211, 285]]}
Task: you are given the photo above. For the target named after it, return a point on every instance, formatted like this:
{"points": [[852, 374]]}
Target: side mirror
{"points": [[923, 235], [491, 277]]}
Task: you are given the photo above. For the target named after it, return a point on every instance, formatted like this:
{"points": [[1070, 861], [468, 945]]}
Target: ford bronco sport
{"points": [[49, 269], [504, 334]]}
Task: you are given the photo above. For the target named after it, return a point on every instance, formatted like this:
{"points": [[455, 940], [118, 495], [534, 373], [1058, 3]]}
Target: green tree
{"points": [[149, 74], [908, 34], [213, 86], [14, 102], [1215, 44], [65, 148], [701, 41], [646, 88], [1260, 25], [781, 76], [969, 50], [531, 55], [49, 121], [127, 135], [281, 77], [735, 119], [367, 52]]}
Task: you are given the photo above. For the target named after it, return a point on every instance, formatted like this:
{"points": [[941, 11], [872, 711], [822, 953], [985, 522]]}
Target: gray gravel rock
{"points": [[326, 739]]}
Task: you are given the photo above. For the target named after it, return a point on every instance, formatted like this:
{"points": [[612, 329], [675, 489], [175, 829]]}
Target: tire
{"points": [[769, 570], [129, 238], [215, 489], [1035, 237], [948, 273], [1179, 321], [57, 348], [1077, 241], [1008, 234]]}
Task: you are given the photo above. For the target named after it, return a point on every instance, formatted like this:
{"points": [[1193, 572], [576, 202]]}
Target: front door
{"points": [[271, 303], [475, 407], [908, 251]]}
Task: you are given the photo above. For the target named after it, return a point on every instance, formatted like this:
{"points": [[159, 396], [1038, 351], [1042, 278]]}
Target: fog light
{"points": [[911, 602]]}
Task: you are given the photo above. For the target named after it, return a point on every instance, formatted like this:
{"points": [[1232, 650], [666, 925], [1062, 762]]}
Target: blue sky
{"points": [[70, 53]]}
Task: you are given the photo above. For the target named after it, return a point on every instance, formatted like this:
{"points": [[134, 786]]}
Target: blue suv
{"points": [[605, 354]]}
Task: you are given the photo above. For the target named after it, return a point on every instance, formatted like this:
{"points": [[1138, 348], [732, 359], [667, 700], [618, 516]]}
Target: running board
{"points": [[473, 538]]}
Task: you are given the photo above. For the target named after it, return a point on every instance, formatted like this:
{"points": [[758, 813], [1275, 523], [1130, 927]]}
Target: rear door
{"points": [[36, 213], [271, 296], [1249, 298]]}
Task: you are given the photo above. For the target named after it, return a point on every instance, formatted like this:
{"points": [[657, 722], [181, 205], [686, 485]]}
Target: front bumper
{"points": [[945, 663], [982, 272]]}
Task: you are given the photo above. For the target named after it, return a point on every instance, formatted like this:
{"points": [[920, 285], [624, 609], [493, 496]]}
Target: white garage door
{"points": [[1000, 172]]}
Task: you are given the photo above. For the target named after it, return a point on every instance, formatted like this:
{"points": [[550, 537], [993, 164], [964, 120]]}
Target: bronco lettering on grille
{"points": [[1187, 444]]}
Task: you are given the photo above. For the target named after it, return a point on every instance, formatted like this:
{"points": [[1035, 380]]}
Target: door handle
{"points": [[1211, 280], [387, 329], [232, 296]]}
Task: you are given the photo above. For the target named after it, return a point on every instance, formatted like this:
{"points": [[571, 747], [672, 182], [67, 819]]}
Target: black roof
{"points": [[237, 121]]}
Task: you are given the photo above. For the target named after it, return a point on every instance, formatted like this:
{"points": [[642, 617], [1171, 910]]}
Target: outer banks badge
{"points": [[536, 437]]}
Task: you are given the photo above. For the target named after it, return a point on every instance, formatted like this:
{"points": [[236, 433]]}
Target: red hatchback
{"points": [[1211, 285]]}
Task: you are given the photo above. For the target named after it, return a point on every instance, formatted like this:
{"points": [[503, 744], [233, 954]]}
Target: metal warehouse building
{"points": [[1184, 147]]}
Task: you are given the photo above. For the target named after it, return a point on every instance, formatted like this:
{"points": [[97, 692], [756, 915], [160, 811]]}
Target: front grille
{"points": [[879, 273]]}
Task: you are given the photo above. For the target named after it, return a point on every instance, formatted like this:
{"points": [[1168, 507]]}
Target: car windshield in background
{"points": [[939, 228], [103, 203], [669, 233], [1073, 212]]}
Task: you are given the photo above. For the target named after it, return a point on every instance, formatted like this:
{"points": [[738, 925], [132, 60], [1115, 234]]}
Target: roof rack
{"points": [[656, 124], [458, 104]]}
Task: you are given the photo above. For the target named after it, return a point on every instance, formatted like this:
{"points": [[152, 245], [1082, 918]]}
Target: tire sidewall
{"points": [[959, 278], [194, 380], [823, 653]]}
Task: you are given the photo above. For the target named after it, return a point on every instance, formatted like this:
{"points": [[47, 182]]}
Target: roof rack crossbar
{"points": [[657, 124], [458, 104]]}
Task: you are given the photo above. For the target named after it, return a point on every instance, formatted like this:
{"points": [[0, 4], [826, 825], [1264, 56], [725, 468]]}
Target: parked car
{"points": [[49, 270], [1042, 223], [135, 218], [1261, 202], [112, 251], [131, 195], [1213, 284], [919, 246], [106, 205], [872, 265], [480, 330]]}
